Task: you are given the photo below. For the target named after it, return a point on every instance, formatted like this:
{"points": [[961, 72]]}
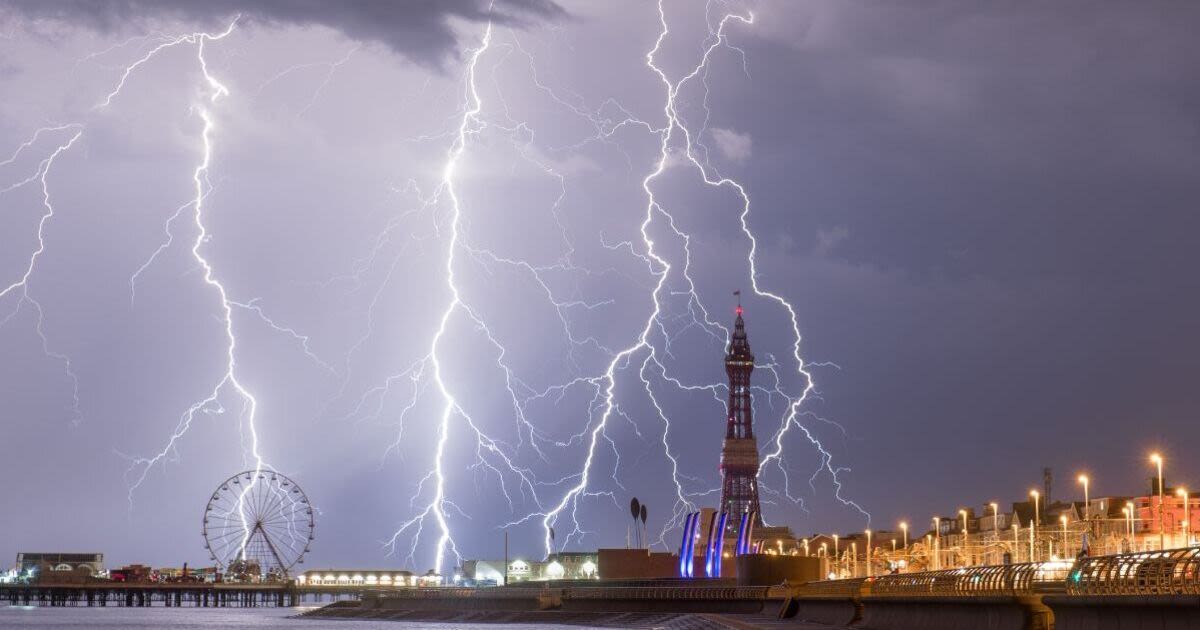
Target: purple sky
{"points": [[983, 216]]}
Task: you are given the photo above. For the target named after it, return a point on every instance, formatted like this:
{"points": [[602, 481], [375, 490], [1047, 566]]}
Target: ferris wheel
{"points": [[258, 523]]}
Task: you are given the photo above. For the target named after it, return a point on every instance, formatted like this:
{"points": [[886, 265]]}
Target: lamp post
{"points": [[1032, 531], [966, 557], [853, 559], [1087, 508], [1157, 460], [937, 542], [1037, 517], [805, 547], [1132, 530], [995, 516], [867, 555], [1063, 519], [1016, 527], [837, 556], [1187, 517], [1125, 511], [907, 556]]}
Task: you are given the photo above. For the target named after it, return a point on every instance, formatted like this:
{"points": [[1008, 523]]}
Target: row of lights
{"points": [[1155, 458]]}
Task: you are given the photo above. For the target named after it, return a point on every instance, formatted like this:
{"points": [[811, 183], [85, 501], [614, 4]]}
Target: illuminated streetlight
{"points": [[1037, 516], [1132, 518], [1016, 527], [1063, 519], [1157, 460], [1083, 479], [995, 516], [805, 547], [963, 513], [868, 554], [904, 528], [937, 542], [1187, 517]]}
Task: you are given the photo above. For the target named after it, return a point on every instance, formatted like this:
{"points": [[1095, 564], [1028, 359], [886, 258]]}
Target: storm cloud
{"points": [[421, 31]]}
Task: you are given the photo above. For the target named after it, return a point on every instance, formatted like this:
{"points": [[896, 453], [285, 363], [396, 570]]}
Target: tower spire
{"points": [[739, 453]]}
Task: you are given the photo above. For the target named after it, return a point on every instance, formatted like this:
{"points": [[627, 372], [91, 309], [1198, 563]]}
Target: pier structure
{"points": [[206, 595]]}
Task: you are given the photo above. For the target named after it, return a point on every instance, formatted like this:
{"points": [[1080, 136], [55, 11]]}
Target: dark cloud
{"points": [[421, 30]]}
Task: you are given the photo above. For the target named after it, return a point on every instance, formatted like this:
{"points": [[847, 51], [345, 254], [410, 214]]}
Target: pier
{"points": [[208, 595]]}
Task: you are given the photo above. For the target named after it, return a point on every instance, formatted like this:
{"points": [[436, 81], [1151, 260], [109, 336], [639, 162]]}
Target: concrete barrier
{"points": [[622, 604], [1125, 612], [483, 600], [780, 606], [830, 610], [955, 613]]}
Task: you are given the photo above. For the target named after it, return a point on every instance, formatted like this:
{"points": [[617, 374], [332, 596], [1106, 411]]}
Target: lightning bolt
{"points": [[228, 379], [677, 128], [20, 287], [436, 507]]}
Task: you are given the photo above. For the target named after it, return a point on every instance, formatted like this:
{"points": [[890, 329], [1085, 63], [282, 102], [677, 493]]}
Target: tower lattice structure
{"points": [[739, 453]]}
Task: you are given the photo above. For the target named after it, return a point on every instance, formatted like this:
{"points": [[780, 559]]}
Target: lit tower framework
{"points": [[739, 453]]}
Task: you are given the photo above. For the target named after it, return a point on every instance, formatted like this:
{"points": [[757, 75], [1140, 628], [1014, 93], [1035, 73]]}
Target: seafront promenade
{"points": [[1147, 591]]}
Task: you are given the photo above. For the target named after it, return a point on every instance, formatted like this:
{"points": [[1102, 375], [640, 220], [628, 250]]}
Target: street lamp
{"points": [[805, 547], [995, 516], [904, 528], [937, 541], [1125, 511], [1063, 519], [1187, 520], [867, 556], [1083, 479], [1157, 460], [1132, 517], [963, 513], [853, 559], [1037, 517]]}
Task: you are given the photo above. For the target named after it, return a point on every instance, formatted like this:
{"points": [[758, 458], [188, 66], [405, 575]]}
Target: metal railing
{"points": [[1003, 580], [1167, 572], [667, 593], [852, 587]]}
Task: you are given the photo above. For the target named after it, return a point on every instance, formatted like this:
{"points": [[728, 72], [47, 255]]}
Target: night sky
{"points": [[983, 214]]}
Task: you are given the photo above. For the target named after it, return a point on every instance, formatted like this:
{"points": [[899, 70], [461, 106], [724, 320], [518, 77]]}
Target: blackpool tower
{"points": [[739, 453]]}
